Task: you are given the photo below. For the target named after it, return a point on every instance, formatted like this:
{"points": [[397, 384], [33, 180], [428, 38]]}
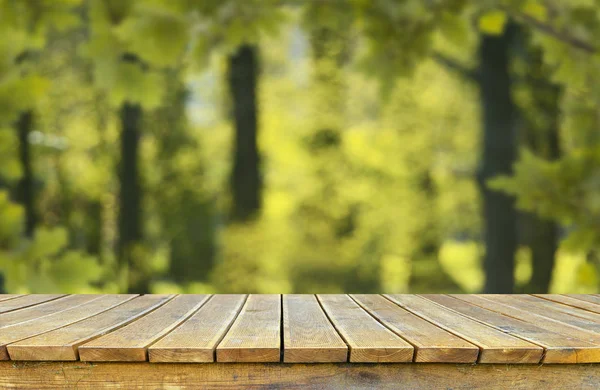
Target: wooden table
{"points": [[303, 341]]}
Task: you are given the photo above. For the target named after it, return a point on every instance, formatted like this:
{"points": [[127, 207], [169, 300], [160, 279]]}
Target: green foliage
{"points": [[43, 265], [361, 193]]}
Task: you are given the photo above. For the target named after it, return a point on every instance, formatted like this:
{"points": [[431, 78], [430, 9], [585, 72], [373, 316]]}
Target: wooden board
{"points": [[342, 376], [570, 332], [61, 344], [6, 297], [130, 343], [558, 348], [369, 340], [21, 331], [570, 301], [197, 338], [308, 336], [20, 302], [432, 344], [43, 309], [565, 314], [255, 336], [586, 297], [495, 346], [302, 329]]}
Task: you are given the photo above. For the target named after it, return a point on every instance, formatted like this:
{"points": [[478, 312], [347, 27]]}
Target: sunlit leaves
{"points": [[493, 22], [44, 265], [156, 36]]}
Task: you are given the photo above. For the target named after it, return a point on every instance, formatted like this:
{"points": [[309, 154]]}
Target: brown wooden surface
{"points": [[299, 329], [547, 312], [433, 344], [16, 302], [369, 340], [6, 297], [255, 336], [197, 338], [567, 330], [21, 331], [309, 337], [80, 375], [62, 343], [558, 347], [38, 311], [130, 342], [495, 346], [570, 301]]}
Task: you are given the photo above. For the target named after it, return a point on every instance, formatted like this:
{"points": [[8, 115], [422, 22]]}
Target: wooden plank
{"points": [[567, 300], [369, 340], [6, 297], [61, 344], [558, 348], [59, 319], [308, 336], [550, 310], [20, 302], [569, 331], [44, 309], [130, 343], [255, 335], [585, 297], [432, 344], [79, 375], [495, 346], [196, 339], [550, 306]]}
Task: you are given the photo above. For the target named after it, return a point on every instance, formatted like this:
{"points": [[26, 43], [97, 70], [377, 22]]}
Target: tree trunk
{"points": [[130, 230], [25, 189], [246, 185], [544, 239], [541, 135], [499, 144]]}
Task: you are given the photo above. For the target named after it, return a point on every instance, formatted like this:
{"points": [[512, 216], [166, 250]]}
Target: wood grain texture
{"points": [[570, 332], [565, 314], [82, 376], [495, 346], [586, 297], [130, 343], [432, 344], [308, 335], [59, 319], [558, 348], [6, 297], [43, 309], [369, 340], [570, 301], [255, 336], [20, 302], [197, 338], [61, 344]]}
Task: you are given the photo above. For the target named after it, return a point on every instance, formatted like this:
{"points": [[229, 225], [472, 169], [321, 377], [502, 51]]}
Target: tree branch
{"points": [[452, 64], [562, 36]]}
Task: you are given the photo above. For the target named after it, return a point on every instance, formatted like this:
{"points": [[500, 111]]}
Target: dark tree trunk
{"points": [[246, 185], [25, 190], [130, 210], [499, 144], [93, 228], [543, 233]]}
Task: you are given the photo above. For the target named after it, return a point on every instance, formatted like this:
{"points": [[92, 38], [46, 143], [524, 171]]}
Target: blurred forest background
{"points": [[299, 146]]}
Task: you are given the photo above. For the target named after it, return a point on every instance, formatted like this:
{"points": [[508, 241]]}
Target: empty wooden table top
{"points": [[320, 328]]}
